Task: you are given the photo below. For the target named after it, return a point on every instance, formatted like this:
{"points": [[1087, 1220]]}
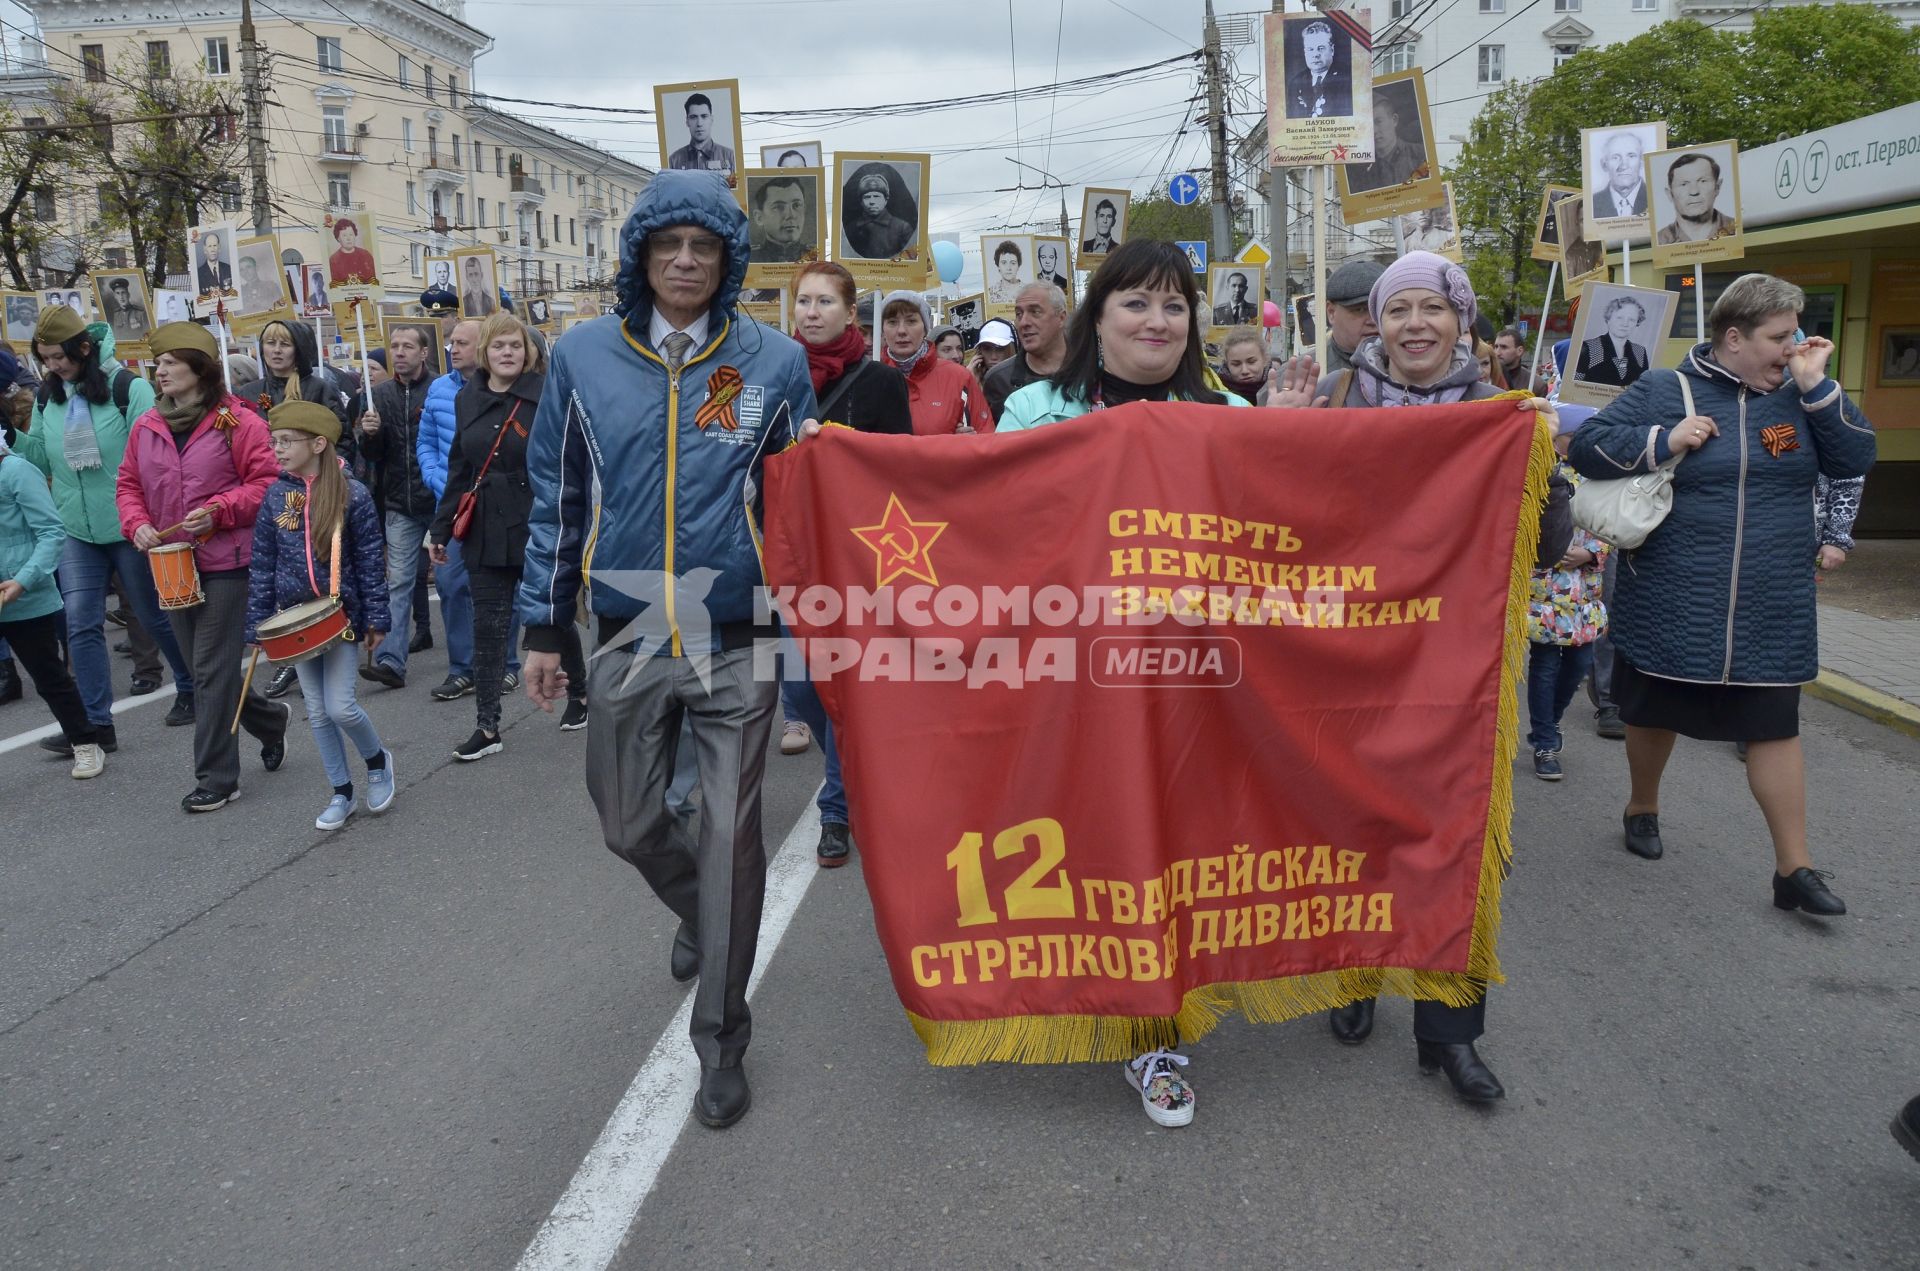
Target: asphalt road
{"points": [[231, 1041]]}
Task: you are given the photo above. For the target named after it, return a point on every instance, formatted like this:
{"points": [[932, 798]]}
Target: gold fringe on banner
{"points": [[1061, 1039]]}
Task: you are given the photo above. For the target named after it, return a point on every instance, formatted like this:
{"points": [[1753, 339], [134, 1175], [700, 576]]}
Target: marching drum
{"points": [[303, 631], [175, 576]]}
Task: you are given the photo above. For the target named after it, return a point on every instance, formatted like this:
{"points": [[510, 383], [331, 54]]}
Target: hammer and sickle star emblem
{"points": [[901, 544]]}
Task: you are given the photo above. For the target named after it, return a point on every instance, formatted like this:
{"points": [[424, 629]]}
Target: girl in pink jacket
{"points": [[201, 460]]}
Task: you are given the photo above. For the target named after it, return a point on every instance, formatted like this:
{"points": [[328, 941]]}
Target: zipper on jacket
{"points": [[1739, 537]]}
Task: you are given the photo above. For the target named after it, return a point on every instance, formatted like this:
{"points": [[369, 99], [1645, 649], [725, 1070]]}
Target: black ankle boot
{"points": [[1807, 889], [1643, 835], [1472, 1080], [1351, 1024]]}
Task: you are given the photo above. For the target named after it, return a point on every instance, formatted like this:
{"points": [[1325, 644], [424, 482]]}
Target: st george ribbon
{"points": [[1170, 710]]}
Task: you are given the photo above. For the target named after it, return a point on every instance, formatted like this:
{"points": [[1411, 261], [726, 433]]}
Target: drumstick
{"points": [[245, 685]]}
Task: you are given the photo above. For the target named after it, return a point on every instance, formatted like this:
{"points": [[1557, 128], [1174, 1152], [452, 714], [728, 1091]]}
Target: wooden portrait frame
{"points": [[1581, 258], [908, 266], [9, 329], [1658, 306], [1545, 249], [665, 109], [1090, 198], [1421, 188], [1216, 288], [102, 279], [762, 272], [1615, 229], [1065, 245], [250, 322], [1726, 245], [367, 236], [208, 296], [491, 267]]}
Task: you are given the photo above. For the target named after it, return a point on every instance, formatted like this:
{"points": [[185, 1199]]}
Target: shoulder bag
{"points": [[1625, 510], [463, 511]]}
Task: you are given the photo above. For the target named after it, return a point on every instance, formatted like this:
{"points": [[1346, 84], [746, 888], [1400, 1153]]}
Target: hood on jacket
{"points": [[681, 198], [306, 346], [1701, 365], [54, 389], [1382, 389]]}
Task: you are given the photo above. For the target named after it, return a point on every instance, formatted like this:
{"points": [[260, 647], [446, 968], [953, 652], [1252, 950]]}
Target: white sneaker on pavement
{"points": [[88, 761], [1164, 1093], [795, 737]]}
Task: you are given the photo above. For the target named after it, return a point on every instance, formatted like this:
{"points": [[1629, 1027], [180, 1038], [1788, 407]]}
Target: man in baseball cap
{"points": [[1348, 321]]}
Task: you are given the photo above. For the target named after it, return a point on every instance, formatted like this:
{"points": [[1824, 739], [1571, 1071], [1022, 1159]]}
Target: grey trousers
{"points": [[716, 886], [211, 637], [1600, 681]]}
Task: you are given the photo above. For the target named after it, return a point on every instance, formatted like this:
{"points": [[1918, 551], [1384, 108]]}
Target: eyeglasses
{"points": [[705, 247]]}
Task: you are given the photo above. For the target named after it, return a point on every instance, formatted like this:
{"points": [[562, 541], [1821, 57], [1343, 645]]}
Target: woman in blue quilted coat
{"points": [[1713, 618]]}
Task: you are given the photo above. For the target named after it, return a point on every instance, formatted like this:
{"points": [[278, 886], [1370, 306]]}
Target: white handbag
{"points": [[1624, 511]]}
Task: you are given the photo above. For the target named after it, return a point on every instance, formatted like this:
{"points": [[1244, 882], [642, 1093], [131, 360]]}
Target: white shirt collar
{"points": [[659, 329]]}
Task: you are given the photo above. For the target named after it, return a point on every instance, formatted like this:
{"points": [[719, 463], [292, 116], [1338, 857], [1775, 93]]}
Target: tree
{"points": [[1800, 69], [31, 168]]}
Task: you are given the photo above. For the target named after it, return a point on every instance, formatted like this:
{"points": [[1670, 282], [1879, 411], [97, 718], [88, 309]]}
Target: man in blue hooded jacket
{"points": [[645, 462]]}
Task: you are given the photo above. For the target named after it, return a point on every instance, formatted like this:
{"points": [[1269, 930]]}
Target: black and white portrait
{"points": [[537, 312], [1318, 58], [1103, 224], [210, 248], [1235, 292], [1580, 257], [172, 306], [123, 305], [1400, 144], [1050, 258], [257, 261], [439, 270], [1007, 262], [1615, 177], [700, 126], [72, 299], [1696, 203], [963, 315], [475, 274], [1616, 340], [23, 313], [1546, 229], [315, 301], [783, 216], [791, 154], [880, 209]]}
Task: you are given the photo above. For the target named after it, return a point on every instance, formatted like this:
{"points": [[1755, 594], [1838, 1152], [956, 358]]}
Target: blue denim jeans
{"points": [[406, 538], [799, 700], [1554, 672], [327, 682], [456, 615], [83, 586]]}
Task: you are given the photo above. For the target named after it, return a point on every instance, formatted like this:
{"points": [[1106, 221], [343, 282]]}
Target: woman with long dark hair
{"points": [[198, 465]]}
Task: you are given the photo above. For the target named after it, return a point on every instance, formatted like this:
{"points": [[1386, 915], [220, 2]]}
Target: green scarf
{"points": [[182, 414]]}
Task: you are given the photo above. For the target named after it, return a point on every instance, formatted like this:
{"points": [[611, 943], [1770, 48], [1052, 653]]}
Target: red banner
{"points": [[1171, 710]]}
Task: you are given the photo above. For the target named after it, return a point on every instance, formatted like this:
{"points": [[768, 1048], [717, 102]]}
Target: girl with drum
{"points": [[319, 556], [196, 468]]}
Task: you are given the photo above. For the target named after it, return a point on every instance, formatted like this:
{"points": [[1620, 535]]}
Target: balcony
{"points": [[443, 170], [593, 209], [340, 150], [527, 192]]}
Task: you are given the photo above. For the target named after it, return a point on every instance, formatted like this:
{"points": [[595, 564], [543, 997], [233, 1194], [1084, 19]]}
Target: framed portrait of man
{"points": [[1433, 229], [1006, 262], [882, 213], [439, 274], [1580, 257], [316, 300], [1234, 293], [172, 306], [210, 257], [71, 297], [125, 306], [700, 127], [1614, 172], [785, 229], [1103, 224], [1404, 174], [263, 292], [352, 267], [963, 315], [476, 275], [1613, 344], [22, 315], [1053, 262], [792, 154], [1319, 74], [1546, 222], [1696, 203]]}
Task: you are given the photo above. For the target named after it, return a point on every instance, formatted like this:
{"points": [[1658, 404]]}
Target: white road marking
{"points": [[587, 1225]]}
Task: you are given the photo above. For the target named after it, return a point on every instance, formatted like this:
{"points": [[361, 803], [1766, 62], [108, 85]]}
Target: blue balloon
{"points": [[947, 259]]}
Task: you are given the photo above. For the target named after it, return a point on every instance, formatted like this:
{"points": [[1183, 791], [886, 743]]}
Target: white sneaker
{"points": [[88, 761], [795, 737], [1164, 1093]]}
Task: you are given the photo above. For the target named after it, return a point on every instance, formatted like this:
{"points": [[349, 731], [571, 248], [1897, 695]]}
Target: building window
{"points": [[333, 129], [501, 204], [1646, 6], [1493, 6], [339, 190], [479, 161], [460, 207], [433, 143], [480, 206], [328, 47], [1403, 56], [1564, 53], [406, 135], [116, 258], [1493, 63], [1399, 9], [100, 201], [413, 200], [434, 208], [453, 90], [159, 59], [1566, 6], [571, 236], [226, 127], [499, 162], [94, 58], [453, 150], [43, 208], [218, 61], [413, 258], [406, 72], [232, 198], [429, 74]]}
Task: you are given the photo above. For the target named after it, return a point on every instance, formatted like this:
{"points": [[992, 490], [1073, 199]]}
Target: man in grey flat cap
{"points": [[1348, 321]]}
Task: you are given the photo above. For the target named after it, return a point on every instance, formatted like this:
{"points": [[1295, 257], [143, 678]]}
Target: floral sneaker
{"points": [[1164, 1093]]}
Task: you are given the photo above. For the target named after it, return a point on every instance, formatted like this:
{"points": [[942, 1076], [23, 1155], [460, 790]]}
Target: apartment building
{"points": [[372, 109]]}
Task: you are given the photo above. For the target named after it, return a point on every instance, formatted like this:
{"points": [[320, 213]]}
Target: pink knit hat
{"points": [[1431, 272]]}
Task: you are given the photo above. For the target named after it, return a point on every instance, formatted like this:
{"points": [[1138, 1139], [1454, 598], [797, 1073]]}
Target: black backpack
{"points": [[122, 390]]}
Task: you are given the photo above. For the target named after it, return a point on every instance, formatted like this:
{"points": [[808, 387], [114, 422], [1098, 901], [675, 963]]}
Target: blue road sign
{"points": [[1184, 189], [1196, 250]]}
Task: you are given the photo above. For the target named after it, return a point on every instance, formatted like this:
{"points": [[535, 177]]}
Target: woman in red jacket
{"points": [[201, 460], [943, 396]]}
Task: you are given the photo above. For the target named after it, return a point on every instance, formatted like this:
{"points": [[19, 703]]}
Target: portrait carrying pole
{"points": [[1699, 302], [1321, 176], [1626, 262], [1546, 307]]}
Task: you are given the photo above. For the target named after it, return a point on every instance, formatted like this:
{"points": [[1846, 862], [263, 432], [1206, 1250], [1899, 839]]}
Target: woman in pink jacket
{"points": [[202, 460]]}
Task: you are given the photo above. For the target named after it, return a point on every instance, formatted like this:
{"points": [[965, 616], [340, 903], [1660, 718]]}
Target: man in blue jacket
{"points": [[433, 443], [645, 462]]}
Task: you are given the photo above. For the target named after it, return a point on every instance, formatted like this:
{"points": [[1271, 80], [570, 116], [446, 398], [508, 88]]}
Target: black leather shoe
{"points": [[142, 685], [1643, 835], [834, 845], [1906, 1127], [422, 641], [723, 1098], [685, 961], [1352, 1023], [1606, 722], [1472, 1080], [1807, 889], [182, 712]]}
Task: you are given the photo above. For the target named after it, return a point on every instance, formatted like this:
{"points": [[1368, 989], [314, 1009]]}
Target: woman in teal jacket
{"points": [[30, 538], [81, 418]]}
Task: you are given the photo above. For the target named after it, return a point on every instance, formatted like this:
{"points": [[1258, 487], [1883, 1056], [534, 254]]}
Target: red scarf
{"points": [[828, 362]]}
